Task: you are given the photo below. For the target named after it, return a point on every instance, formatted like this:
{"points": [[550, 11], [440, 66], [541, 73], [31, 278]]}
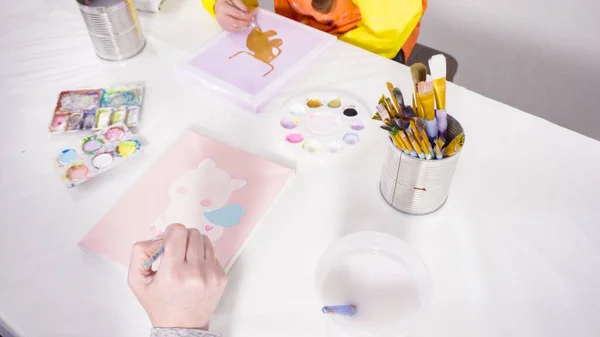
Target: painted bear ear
{"points": [[207, 163], [237, 184]]}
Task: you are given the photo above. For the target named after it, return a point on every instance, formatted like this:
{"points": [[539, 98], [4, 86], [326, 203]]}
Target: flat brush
{"points": [[437, 65], [390, 88], [397, 93], [426, 104]]}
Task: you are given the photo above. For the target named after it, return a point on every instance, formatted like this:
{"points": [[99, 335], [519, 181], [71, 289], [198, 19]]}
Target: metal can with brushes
{"points": [[114, 28], [416, 186]]}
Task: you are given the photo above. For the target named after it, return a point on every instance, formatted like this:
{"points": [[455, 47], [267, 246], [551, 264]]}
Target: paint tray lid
{"points": [[380, 274]]}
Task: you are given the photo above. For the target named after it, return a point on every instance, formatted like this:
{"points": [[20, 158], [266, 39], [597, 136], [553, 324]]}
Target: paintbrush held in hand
{"points": [[418, 134]]}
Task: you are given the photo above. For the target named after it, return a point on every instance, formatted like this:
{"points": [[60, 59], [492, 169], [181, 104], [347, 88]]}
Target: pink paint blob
{"points": [[294, 138], [206, 203], [208, 228], [114, 133], [77, 173]]}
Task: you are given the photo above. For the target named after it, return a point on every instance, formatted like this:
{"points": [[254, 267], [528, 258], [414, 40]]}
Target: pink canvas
{"points": [[199, 182], [227, 65]]}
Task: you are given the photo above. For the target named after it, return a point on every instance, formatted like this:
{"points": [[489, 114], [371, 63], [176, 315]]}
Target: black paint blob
{"points": [[350, 112]]}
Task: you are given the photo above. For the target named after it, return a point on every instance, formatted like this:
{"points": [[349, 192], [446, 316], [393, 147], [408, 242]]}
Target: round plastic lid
{"points": [[381, 275]]}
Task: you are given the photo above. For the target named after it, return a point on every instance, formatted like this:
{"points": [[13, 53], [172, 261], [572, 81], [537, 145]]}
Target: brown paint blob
{"points": [[314, 103]]}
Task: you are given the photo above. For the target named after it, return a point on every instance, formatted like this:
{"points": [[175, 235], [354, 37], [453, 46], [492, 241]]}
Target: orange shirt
{"points": [[343, 17]]}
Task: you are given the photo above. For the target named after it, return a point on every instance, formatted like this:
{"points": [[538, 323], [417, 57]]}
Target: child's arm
{"points": [[209, 5], [385, 25]]}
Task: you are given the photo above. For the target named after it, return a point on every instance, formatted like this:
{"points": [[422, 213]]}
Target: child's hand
{"points": [[186, 288], [232, 15]]}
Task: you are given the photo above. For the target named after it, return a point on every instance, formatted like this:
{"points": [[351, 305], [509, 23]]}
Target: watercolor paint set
{"points": [[97, 154], [96, 109], [322, 123]]}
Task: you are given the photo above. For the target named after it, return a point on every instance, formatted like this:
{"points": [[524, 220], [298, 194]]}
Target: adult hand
{"points": [[189, 282], [232, 15]]}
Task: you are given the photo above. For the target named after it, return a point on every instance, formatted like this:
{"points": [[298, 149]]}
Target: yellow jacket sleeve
{"points": [[385, 26], [209, 5]]}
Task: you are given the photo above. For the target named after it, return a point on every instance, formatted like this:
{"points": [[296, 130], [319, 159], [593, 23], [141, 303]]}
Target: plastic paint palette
{"points": [[96, 154], [96, 109], [322, 123]]}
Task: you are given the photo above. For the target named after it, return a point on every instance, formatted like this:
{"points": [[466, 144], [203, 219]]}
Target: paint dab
{"points": [[357, 124], [294, 138], [118, 115], [102, 160], [312, 146], [77, 173], [67, 157], [133, 116], [103, 117], [288, 123], [350, 112], [335, 146], [298, 109], [91, 145], [74, 121], [335, 103], [59, 123], [351, 138], [115, 133], [127, 148], [314, 103]]}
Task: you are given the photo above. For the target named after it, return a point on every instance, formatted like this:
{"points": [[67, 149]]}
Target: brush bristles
{"points": [[437, 66], [418, 72], [425, 87]]}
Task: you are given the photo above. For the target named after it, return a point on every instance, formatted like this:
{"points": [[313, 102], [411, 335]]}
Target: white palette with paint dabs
{"points": [[322, 124]]}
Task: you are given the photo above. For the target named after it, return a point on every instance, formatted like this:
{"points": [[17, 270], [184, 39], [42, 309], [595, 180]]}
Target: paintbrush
{"points": [[390, 107], [390, 87], [253, 23], [407, 111], [383, 112], [426, 103], [397, 93], [439, 144], [455, 145], [400, 143], [437, 65], [419, 74], [416, 131], [415, 145], [154, 257], [421, 125]]}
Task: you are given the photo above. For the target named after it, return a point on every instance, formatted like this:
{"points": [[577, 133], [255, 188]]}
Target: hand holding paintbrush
{"points": [[234, 15]]}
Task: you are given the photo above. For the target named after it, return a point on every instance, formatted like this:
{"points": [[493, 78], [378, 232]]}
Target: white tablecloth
{"points": [[514, 252]]}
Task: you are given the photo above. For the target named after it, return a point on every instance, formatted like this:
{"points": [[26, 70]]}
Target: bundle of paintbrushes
{"points": [[420, 130]]}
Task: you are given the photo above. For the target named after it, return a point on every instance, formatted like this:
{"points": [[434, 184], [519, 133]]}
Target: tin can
{"points": [[114, 28], [416, 186]]}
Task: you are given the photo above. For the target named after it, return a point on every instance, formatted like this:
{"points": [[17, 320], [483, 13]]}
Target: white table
{"points": [[514, 252]]}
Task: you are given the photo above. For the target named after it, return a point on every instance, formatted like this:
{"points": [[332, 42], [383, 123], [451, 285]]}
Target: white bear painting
{"points": [[199, 199]]}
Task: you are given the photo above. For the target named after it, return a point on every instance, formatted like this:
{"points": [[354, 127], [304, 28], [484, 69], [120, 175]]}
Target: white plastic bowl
{"points": [[380, 274]]}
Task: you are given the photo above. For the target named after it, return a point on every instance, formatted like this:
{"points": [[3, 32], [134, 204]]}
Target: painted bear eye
{"points": [[206, 203]]}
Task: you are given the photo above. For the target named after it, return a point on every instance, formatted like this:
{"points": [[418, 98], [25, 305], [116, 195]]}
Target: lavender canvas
{"points": [[246, 72]]}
